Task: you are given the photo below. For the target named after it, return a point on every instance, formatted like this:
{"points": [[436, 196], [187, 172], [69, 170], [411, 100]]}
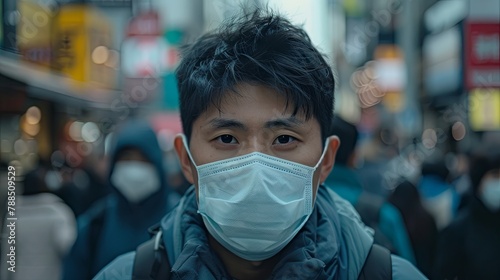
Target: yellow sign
{"points": [[484, 109], [393, 101], [80, 30], [33, 31]]}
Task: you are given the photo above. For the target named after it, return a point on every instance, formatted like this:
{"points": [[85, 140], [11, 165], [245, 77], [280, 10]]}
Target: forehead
{"points": [[257, 100], [130, 153]]}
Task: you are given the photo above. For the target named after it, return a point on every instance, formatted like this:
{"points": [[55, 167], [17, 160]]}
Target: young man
{"points": [[256, 106]]}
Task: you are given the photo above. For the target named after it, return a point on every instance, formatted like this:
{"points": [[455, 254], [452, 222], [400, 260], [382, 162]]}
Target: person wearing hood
{"points": [[468, 248], [140, 197]]}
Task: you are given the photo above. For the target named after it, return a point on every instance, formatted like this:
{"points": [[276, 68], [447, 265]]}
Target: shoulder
{"points": [[404, 270], [61, 209], [342, 206], [355, 236], [46, 204], [119, 269]]}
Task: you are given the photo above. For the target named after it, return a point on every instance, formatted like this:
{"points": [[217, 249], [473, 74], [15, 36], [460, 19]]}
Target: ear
{"points": [[326, 165], [186, 165]]}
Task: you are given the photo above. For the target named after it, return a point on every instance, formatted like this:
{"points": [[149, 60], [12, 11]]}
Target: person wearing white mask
{"points": [[256, 103], [469, 247], [140, 197]]}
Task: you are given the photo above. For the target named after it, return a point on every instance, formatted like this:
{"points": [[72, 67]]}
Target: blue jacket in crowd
{"points": [[344, 181], [333, 244], [113, 225]]}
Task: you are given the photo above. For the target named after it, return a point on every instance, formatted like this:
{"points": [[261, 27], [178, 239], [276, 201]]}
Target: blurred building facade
{"points": [[71, 70]]}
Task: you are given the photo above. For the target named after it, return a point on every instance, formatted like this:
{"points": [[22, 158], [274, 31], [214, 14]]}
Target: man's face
{"points": [[493, 174], [256, 119]]}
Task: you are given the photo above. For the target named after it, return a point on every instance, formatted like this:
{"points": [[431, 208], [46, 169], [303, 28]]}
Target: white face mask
{"points": [[136, 180], [254, 205], [490, 194]]}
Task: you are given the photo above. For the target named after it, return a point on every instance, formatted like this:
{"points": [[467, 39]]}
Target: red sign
{"points": [[144, 24], [482, 55]]}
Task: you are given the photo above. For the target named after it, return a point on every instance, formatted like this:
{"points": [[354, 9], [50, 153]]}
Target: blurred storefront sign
{"points": [[356, 41], [10, 16], [82, 46], [389, 68], [1, 24], [111, 3], [442, 62], [354, 8], [390, 76], [170, 122], [144, 24], [144, 58], [145, 51], [484, 109], [65, 55], [34, 31], [482, 54]]}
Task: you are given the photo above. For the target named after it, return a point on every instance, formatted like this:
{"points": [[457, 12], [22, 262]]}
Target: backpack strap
{"points": [[151, 260], [378, 264]]}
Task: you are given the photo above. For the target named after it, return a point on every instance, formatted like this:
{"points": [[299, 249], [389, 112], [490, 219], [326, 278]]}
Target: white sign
{"points": [[145, 56], [390, 74]]}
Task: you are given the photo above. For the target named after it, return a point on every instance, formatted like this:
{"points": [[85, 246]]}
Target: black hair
{"points": [[436, 168], [258, 48], [348, 135], [406, 197]]}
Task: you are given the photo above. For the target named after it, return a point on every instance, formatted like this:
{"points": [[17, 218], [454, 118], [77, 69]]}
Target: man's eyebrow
{"points": [[284, 122], [218, 123]]}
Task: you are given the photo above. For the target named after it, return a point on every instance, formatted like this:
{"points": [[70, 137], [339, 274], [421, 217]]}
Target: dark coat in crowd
{"points": [[469, 248], [420, 224]]}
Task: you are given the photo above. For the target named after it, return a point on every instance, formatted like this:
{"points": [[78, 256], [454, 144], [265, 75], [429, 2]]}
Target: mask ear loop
{"points": [[327, 141], [184, 142]]}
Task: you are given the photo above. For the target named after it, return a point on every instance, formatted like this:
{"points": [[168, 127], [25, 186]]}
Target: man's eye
{"points": [[227, 139], [284, 139]]}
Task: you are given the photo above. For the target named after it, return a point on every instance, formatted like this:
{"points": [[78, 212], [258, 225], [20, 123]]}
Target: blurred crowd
{"points": [[445, 219], [75, 220], [89, 115]]}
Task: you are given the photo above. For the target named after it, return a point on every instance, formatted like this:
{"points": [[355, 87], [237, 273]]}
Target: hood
{"points": [[138, 134]]}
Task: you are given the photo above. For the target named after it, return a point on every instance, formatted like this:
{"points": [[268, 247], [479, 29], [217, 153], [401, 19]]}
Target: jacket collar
{"points": [[333, 243]]}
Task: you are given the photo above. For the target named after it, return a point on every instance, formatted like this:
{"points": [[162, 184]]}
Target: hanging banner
{"points": [[482, 54]]}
